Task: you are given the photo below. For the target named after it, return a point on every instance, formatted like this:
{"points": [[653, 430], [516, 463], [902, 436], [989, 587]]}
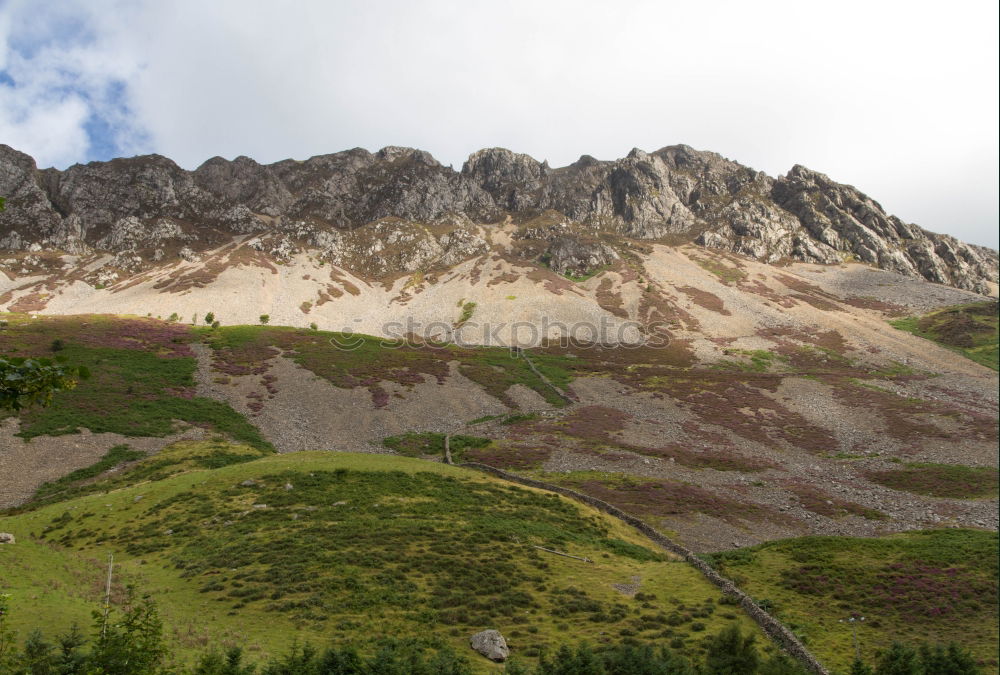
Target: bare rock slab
{"points": [[491, 644]]}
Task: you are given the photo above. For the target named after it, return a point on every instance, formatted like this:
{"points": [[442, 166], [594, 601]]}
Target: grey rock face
{"points": [[637, 192], [845, 219], [512, 180], [491, 644], [399, 210], [129, 233], [568, 254], [244, 183], [30, 217]]}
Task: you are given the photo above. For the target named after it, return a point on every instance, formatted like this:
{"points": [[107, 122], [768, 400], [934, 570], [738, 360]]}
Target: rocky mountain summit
{"points": [[400, 211]]}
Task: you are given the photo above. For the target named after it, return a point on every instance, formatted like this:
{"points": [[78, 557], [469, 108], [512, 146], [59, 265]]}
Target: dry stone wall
{"points": [[770, 625]]}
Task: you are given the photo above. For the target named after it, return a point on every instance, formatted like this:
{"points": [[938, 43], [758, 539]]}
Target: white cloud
{"points": [[897, 98], [61, 76], [53, 133]]}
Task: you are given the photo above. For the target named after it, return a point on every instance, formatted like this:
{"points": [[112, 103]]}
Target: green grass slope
{"points": [[934, 586], [260, 551], [968, 329], [354, 360], [141, 384]]}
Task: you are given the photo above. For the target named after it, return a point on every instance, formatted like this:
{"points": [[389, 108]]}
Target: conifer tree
{"points": [[730, 653], [899, 659]]}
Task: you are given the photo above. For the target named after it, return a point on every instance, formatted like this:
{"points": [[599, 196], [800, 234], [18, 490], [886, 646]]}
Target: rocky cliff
{"points": [[399, 210]]}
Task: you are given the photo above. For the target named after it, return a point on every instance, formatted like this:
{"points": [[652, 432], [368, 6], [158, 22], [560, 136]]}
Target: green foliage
{"points": [[230, 663], [416, 444], [970, 330], [310, 543], [947, 660], [940, 480], [781, 664], [209, 318], [130, 642], [579, 278], [484, 418], [727, 275], [468, 309], [7, 636], [140, 417], [175, 458], [938, 582], [859, 667], [30, 381], [731, 653], [353, 360], [138, 387], [37, 653], [516, 418], [265, 319], [899, 659], [53, 490]]}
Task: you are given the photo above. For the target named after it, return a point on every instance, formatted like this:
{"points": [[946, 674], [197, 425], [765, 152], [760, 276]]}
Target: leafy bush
{"points": [[25, 382]]}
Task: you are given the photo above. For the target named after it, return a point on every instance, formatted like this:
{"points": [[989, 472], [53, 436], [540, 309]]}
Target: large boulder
{"points": [[490, 643], [8, 538]]}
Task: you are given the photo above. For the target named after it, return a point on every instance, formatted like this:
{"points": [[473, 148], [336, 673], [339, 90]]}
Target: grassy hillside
{"points": [[933, 585], [968, 329], [353, 360], [259, 549], [142, 378], [264, 550]]}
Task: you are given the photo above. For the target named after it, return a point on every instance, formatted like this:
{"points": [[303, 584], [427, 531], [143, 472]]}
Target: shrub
{"points": [[265, 319], [731, 652]]}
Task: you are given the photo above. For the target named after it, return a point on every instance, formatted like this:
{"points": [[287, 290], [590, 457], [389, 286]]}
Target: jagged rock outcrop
{"points": [[511, 179], [399, 210], [569, 254], [844, 219], [30, 222], [394, 246], [130, 233]]}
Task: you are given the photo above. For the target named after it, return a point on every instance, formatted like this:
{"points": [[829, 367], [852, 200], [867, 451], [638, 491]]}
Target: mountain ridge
{"points": [[147, 207]]}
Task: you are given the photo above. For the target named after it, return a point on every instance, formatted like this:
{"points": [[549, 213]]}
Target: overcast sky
{"points": [[896, 98]]}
